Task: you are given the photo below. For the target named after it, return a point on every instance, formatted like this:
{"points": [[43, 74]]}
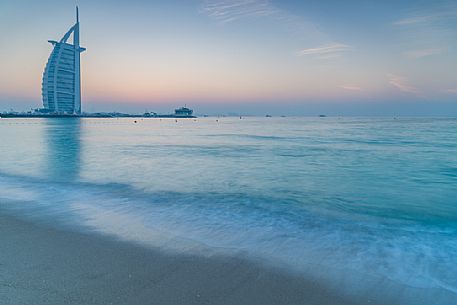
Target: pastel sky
{"points": [[252, 56]]}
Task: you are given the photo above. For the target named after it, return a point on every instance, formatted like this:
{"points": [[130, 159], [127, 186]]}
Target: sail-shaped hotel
{"points": [[61, 87]]}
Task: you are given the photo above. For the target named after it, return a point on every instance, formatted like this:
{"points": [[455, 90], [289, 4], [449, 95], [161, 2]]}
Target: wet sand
{"points": [[40, 264]]}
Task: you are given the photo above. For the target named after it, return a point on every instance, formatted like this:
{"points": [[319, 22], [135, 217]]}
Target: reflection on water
{"points": [[63, 158]]}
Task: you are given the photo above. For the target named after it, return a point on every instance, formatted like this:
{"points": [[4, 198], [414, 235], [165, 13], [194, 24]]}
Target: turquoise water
{"points": [[356, 202]]}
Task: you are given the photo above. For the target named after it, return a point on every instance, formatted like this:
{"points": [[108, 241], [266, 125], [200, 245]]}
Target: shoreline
{"points": [[91, 116], [44, 265]]}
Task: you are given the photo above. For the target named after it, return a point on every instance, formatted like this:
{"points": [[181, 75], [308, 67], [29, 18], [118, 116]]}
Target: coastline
{"points": [[91, 116], [44, 265]]}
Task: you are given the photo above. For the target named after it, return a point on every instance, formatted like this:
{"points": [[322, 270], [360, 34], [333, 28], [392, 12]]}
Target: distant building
{"points": [[183, 112], [61, 87]]}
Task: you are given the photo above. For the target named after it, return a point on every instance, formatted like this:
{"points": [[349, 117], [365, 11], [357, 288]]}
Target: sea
{"points": [[365, 205]]}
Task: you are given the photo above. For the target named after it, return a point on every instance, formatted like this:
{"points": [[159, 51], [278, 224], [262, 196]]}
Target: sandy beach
{"points": [[44, 265]]}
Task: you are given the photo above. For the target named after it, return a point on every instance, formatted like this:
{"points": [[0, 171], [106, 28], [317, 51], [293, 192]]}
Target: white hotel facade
{"points": [[61, 86]]}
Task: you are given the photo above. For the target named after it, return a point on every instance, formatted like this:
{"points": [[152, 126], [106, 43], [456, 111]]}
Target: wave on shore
{"points": [[350, 252]]}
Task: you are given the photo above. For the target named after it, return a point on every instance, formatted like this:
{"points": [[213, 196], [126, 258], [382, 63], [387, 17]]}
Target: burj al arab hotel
{"points": [[61, 87]]}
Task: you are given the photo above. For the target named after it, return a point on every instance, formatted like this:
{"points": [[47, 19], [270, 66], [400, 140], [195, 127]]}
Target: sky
{"points": [[249, 57]]}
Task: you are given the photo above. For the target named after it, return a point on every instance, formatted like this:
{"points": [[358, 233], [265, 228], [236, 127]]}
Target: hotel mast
{"points": [[61, 87]]}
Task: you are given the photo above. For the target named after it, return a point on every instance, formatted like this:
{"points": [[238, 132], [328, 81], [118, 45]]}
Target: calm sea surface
{"points": [[348, 200]]}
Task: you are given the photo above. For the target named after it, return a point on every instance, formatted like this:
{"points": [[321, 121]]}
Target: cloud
{"points": [[453, 91], [227, 11], [415, 54], [429, 27], [326, 51], [416, 19], [231, 10], [402, 83], [442, 13], [350, 87]]}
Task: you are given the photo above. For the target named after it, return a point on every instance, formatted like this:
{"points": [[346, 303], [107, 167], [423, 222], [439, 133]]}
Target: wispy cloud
{"points": [[431, 28], [231, 10], [326, 51], [350, 87], [402, 83], [443, 13], [415, 54], [416, 19], [227, 11]]}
